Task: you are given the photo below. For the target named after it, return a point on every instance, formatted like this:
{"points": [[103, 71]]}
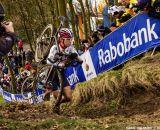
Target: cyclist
{"points": [[65, 38]]}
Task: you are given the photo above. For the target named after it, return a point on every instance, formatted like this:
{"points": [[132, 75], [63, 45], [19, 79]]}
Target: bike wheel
{"points": [[52, 77], [43, 43], [27, 89], [31, 84], [43, 73]]}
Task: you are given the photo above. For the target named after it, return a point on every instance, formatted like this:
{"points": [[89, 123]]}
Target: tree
{"points": [[57, 12], [62, 11], [13, 79], [24, 20], [84, 19], [88, 16], [72, 15], [41, 11]]}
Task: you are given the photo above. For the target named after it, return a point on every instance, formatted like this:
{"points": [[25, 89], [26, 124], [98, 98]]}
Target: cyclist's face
{"points": [[67, 41]]}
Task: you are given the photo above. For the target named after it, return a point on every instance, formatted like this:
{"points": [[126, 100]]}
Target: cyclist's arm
{"points": [[52, 54], [52, 57], [73, 50]]}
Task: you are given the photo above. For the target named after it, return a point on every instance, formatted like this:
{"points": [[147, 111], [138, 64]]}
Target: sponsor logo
{"points": [[136, 39]]}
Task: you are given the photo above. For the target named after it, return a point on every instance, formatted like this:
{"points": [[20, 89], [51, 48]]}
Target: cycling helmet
{"points": [[65, 33]]}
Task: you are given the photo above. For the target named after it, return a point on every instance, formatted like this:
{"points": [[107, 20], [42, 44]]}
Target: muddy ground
{"points": [[140, 111]]}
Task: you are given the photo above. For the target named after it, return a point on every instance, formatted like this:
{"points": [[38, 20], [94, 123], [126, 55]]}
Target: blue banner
{"points": [[138, 35], [135, 37], [9, 97], [74, 75]]}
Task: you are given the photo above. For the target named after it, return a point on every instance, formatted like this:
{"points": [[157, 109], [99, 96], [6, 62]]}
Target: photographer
{"points": [[7, 35]]}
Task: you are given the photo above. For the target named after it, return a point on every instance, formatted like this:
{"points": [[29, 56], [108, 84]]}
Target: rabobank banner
{"points": [[138, 35], [135, 37]]}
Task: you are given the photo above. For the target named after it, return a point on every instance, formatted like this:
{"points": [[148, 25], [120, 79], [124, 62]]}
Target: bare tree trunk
{"points": [[25, 24], [88, 17], [77, 29], [31, 30], [41, 12], [84, 20], [62, 10], [13, 79], [73, 23], [52, 6], [57, 12]]}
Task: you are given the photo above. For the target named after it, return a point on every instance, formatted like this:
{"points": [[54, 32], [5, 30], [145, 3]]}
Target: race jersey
{"points": [[54, 51]]}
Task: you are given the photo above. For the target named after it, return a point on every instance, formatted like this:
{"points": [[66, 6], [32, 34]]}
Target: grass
{"points": [[1, 99], [75, 124], [140, 74], [61, 123]]}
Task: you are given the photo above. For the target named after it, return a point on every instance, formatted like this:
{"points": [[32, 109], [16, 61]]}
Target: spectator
{"points": [[85, 45], [105, 13], [27, 66], [12, 62], [29, 56], [94, 38], [16, 64], [113, 27], [23, 57], [154, 10], [7, 35], [20, 45], [19, 56], [102, 31], [5, 69]]}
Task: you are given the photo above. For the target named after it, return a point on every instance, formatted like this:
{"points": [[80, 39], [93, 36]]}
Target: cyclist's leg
{"points": [[48, 89], [55, 90], [53, 85], [55, 93], [66, 98], [47, 94], [67, 94]]}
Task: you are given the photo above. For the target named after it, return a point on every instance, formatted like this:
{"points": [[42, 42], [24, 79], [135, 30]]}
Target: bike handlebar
{"points": [[72, 59]]}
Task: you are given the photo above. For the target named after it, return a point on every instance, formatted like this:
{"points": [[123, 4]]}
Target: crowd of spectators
{"points": [[115, 16], [21, 64]]}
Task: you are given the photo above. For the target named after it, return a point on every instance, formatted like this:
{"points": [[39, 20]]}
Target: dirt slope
{"points": [[116, 100]]}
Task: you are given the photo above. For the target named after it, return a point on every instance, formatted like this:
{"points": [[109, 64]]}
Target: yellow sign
{"points": [[133, 1]]}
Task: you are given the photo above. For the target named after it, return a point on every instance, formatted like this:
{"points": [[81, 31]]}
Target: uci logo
{"points": [[86, 67]]}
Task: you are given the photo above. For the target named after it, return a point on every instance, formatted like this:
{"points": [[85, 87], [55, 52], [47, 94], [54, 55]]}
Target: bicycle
{"points": [[31, 84], [46, 40], [41, 79], [43, 45]]}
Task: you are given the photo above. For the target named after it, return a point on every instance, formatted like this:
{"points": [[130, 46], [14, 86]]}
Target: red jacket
{"points": [[20, 44], [27, 66]]}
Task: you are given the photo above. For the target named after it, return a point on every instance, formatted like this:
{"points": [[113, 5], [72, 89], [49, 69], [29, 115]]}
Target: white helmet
{"points": [[65, 33]]}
